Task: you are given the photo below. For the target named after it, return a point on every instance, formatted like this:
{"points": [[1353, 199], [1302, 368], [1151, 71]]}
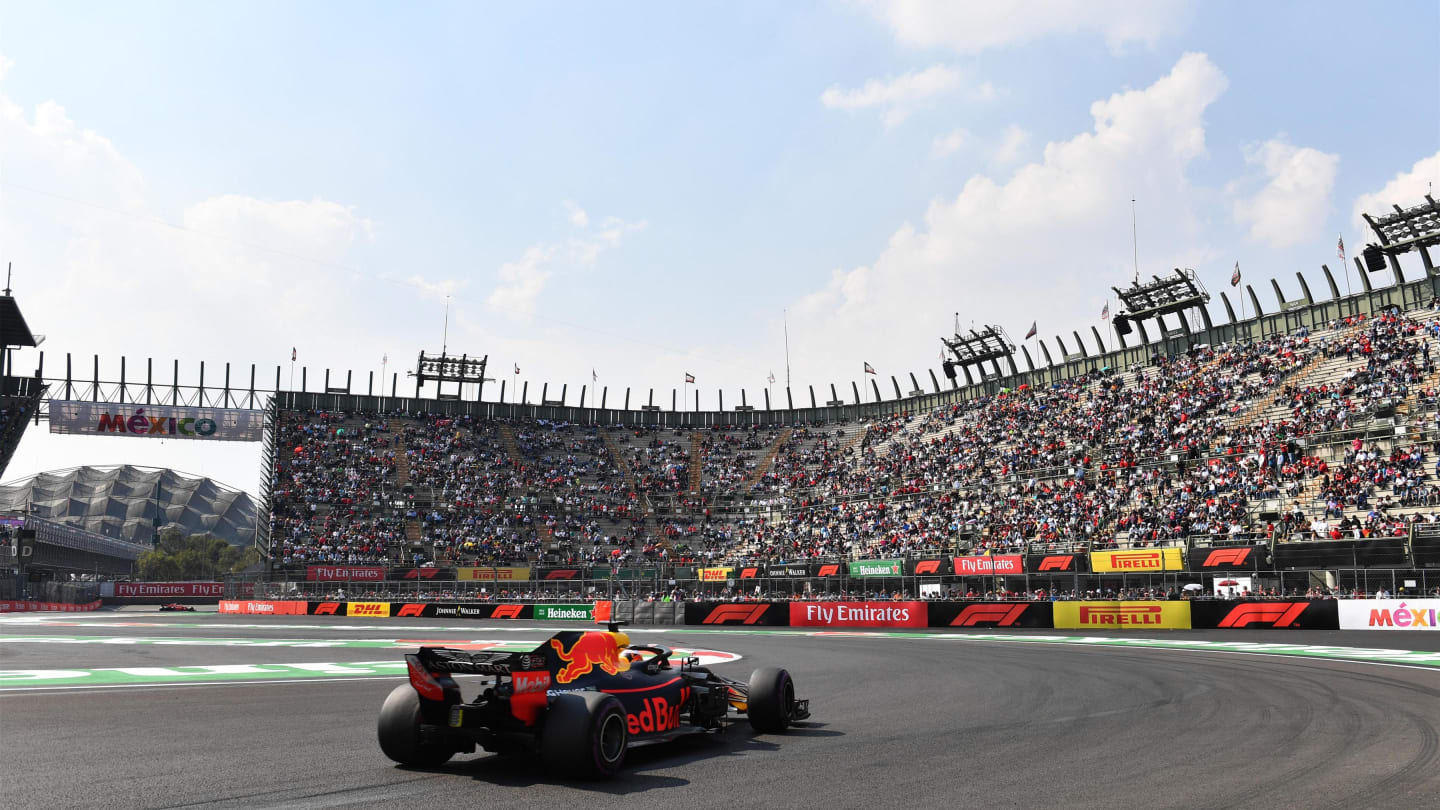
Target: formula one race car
{"points": [[177, 606], [579, 701]]}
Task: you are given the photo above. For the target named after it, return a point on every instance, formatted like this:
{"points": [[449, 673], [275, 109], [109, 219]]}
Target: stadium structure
{"points": [[1305, 434], [134, 503]]}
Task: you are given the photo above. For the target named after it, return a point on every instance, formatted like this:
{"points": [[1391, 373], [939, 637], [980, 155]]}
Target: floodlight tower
{"points": [[991, 345]]}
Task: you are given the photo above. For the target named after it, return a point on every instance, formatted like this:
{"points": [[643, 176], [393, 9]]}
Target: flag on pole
{"points": [[1235, 276], [593, 376], [293, 354], [1105, 312], [869, 369], [384, 358], [771, 378], [1340, 247], [1033, 330], [689, 378], [517, 368]]}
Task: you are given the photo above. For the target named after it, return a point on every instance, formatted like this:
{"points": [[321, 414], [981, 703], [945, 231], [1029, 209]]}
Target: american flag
{"points": [[1340, 248], [869, 369], [1235, 276], [1034, 330], [689, 378], [1105, 313]]}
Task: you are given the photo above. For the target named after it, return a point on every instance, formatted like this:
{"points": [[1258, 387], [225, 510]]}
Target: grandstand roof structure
{"points": [[123, 502]]}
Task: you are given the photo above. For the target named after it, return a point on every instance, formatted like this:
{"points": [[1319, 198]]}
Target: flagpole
{"points": [[1135, 240], [786, 315]]}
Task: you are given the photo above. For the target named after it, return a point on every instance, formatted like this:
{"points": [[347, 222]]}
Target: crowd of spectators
{"points": [[1217, 441]]}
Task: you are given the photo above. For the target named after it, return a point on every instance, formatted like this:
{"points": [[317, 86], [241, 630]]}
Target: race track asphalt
{"points": [[914, 722]]}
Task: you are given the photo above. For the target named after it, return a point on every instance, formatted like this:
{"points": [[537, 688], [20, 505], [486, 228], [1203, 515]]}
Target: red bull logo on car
{"points": [[589, 651]]}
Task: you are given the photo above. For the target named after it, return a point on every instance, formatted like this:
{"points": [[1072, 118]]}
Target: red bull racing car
{"points": [[579, 701]]}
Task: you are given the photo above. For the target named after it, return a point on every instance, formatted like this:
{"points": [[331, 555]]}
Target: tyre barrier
{"points": [[25, 606]]}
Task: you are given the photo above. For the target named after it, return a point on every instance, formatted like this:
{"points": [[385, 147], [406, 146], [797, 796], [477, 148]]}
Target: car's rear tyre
{"points": [[771, 702], [585, 735], [399, 731]]}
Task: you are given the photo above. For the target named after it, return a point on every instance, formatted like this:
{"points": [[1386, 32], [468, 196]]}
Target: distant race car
{"points": [[177, 606], [579, 701]]}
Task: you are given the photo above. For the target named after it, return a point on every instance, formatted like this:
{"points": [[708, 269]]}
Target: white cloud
{"points": [[102, 270], [1291, 205], [1007, 253], [1404, 189], [1011, 145], [950, 143], [902, 95], [969, 27], [522, 281], [5, 65], [578, 217]]}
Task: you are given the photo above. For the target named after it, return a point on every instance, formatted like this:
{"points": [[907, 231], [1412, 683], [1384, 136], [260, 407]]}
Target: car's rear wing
{"points": [[444, 659]]}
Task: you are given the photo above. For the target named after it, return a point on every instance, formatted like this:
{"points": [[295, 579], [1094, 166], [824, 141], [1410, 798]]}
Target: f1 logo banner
{"points": [[1137, 560], [1298, 614], [1055, 563], [754, 613], [1230, 558], [931, 567], [1122, 615], [991, 614]]}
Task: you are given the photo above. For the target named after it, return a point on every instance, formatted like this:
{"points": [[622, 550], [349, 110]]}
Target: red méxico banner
{"points": [[329, 573], [858, 614], [994, 564], [11, 606], [264, 608], [170, 589]]}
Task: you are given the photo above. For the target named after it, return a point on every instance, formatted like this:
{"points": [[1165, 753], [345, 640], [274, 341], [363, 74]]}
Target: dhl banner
{"points": [[1137, 561], [715, 574], [371, 609], [1122, 615], [488, 574]]}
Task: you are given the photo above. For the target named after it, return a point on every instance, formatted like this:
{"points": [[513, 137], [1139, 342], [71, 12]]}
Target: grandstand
{"points": [[1315, 423]]}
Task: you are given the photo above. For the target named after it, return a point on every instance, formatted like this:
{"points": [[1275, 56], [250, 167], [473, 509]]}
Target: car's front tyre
{"points": [[585, 735], [771, 702], [399, 731]]}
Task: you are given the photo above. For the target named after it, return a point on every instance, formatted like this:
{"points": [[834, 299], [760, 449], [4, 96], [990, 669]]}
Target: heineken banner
{"points": [[156, 421], [552, 613], [877, 568]]}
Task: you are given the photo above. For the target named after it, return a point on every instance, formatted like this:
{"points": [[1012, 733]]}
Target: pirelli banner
{"points": [[156, 421], [1138, 561], [1122, 615], [1264, 614], [493, 574]]}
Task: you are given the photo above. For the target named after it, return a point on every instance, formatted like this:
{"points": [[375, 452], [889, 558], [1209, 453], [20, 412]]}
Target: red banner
{"points": [[858, 614], [264, 608], [994, 564], [216, 589], [12, 606], [334, 573]]}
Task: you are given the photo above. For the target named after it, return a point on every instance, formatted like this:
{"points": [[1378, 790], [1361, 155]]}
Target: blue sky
{"points": [[642, 189]]}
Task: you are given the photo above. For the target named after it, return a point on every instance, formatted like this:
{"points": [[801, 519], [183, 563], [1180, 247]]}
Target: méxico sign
{"points": [[877, 568], [1389, 614], [156, 421]]}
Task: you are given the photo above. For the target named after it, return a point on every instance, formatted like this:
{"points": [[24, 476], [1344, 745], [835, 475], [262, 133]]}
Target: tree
{"points": [[197, 557]]}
